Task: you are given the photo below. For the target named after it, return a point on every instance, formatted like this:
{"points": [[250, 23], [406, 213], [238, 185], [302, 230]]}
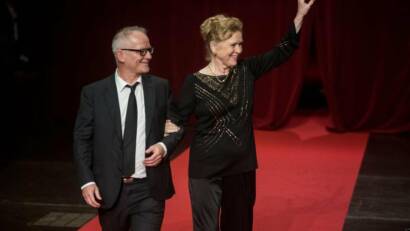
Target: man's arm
{"points": [[83, 134], [164, 149]]}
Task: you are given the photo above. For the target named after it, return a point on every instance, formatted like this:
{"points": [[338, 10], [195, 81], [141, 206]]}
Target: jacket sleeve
{"points": [[83, 135], [171, 141]]}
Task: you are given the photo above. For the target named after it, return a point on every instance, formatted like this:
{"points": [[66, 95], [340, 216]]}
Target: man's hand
{"points": [[154, 154], [91, 195]]}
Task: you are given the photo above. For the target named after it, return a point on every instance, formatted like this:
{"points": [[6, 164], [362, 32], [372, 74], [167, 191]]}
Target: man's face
{"points": [[134, 55]]}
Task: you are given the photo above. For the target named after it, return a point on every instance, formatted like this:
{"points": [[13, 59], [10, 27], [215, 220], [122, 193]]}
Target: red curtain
{"points": [[360, 50], [364, 57]]}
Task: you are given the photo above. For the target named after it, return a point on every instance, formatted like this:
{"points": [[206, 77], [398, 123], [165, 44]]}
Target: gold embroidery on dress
{"points": [[220, 112], [284, 43], [227, 88], [222, 118]]}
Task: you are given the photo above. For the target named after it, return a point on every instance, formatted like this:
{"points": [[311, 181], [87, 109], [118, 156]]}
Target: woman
{"points": [[223, 156]]}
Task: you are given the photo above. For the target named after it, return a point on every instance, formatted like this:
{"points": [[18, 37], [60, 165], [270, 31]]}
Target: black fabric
{"points": [[223, 142], [135, 209], [130, 134], [238, 200], [206, 196], [223, 203], [98, 137]]}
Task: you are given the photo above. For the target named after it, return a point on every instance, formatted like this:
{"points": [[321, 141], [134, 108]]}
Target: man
{"points": [[120, 150]]}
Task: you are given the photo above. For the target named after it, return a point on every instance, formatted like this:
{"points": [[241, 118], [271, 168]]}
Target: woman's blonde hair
{"points": [[218, 28]]}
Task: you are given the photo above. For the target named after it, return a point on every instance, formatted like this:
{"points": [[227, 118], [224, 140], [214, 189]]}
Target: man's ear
{"points": [[119, 54]]}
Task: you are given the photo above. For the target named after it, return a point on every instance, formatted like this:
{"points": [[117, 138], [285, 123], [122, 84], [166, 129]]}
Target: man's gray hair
{"points": [[123, 34]]}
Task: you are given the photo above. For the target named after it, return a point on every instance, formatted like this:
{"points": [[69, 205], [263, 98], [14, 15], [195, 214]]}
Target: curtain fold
{"points": [[363, 54], [360, 50]]}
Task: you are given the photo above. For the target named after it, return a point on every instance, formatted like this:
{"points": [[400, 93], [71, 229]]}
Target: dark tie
{"points": [[130, 134]]}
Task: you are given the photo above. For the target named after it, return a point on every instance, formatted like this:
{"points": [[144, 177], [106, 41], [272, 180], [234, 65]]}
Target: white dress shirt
{"points": [[123, 95]]}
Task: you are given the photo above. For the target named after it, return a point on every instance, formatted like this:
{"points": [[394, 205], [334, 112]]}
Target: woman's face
{"points": [[227, 51]]}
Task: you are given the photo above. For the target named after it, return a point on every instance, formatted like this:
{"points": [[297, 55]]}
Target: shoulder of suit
{"points": [[102, 83], [157, 79]]}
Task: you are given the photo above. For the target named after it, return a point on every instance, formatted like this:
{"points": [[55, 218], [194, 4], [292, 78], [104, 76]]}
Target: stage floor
{"points": [[306, 181]]}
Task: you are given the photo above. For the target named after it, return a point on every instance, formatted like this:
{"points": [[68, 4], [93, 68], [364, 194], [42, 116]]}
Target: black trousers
{"points": [[134, 210], [223, 203]]}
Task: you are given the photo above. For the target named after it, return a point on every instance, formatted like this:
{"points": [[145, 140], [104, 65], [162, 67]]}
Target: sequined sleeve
{"points": [[260, 64]]}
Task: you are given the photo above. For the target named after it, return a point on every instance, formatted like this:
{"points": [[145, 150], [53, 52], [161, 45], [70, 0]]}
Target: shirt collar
{"points": [[121, 84]]}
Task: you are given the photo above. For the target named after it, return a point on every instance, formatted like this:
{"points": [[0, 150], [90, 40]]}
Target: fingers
{"points": [[304, 7], [89, 196], [149, 151], [308, 3], [97, 193], [156, 154]]}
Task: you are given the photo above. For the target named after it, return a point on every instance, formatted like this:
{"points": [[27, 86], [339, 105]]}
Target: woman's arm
{"points": [[303, 9], [262, 63]]}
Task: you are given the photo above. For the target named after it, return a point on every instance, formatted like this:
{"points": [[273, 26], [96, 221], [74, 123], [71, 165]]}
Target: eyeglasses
{"points": [[142, 52]]}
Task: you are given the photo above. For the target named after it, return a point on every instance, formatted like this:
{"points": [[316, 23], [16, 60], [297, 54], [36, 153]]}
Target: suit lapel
{"points": [[111, 100], [149, 101]]}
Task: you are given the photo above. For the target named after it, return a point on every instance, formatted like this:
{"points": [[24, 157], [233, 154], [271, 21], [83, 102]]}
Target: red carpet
{"points": [[304, 182]]}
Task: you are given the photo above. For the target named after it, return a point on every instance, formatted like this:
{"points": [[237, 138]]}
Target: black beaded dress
{"points": [[223, 142]]}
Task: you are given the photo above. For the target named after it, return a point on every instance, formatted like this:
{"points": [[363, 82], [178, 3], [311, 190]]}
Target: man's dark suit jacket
{"points": [[98, 137]]}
